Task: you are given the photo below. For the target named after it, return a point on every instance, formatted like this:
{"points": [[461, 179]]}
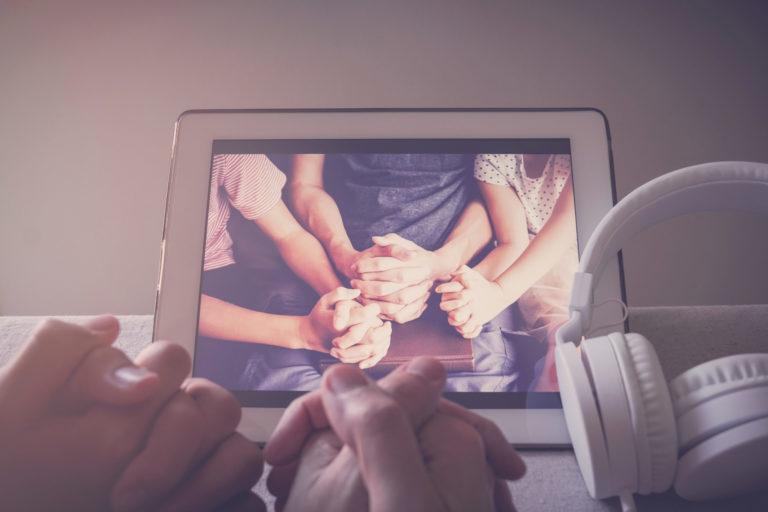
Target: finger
{"points": [[411, 311], [451, 296], [108, 376], [410, 293], [354, 354], [352, 337], [468, 277], [54, 349], [371, 422], [341, 314], [219, 408], [281, 478], [459, 315], [451, 305], [368, 314], [455, 457], [171, 363], [502, 497], [377, 264], [373, 360], [382, 338], [340, 293], [501, 455], [169, 451], [468, 328], [412, 385], [410, 275], [475, 333], [394, 239], [449, 287], [385, 308], [462, 270], [231, 471], [376, 289]]}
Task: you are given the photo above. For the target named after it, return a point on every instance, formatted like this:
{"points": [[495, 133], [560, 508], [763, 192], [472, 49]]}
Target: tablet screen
{"points": [[460, 249]]}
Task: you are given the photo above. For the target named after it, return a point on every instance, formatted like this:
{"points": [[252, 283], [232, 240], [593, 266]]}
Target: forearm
{"points": [[306, 257], [471, 233], [544, 251], [497, 261], [320, 214], [223, 320]]}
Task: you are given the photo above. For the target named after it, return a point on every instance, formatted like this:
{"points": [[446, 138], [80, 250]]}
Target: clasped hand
{"points": [[351, 332], [83, 428], [397, 275], [389, 446]]}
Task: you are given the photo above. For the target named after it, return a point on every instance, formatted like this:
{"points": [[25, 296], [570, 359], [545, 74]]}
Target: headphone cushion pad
{"points": [[717, 377], [656, 407]]}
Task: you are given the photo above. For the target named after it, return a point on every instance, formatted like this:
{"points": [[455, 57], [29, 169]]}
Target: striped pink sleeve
{"points": [[253, 184]]}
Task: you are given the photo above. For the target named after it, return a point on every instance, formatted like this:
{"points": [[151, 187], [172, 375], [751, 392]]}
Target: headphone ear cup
{"points": [[601, 363], [655, 407], [722, 421], [583, 419]]}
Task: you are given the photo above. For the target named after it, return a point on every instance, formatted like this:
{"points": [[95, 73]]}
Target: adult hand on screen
{"points": [[398, 275]]}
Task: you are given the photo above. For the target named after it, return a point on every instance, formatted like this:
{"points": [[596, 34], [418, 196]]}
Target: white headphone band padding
{"points": [[717, 377], [712, 186], [661, 432]]}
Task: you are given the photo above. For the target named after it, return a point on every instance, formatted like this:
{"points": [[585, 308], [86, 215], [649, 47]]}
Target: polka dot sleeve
{"points": [[493, 169]]}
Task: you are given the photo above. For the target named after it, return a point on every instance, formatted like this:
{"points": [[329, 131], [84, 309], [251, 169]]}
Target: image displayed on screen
{"points": [[379, 255]]}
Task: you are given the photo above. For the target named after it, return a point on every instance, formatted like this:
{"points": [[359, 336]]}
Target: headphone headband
{"points": [[712, 186]]}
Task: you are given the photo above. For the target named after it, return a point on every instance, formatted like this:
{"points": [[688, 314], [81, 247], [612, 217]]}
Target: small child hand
{"points": [[348, 330], [470, 301]]}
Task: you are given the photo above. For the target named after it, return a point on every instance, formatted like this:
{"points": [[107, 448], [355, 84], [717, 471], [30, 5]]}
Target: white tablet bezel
{"points": [[178, 290]]}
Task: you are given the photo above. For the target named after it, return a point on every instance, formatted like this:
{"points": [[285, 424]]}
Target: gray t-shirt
{"points": [[418, 196]]}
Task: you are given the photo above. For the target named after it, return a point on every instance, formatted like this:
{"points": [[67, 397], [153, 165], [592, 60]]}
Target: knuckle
{"points": [[183, 410], [52, 330], [220, 408], [175, 356], [380, 415]]}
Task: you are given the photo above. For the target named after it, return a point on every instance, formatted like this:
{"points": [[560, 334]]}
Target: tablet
{"points": [[269, 212]]}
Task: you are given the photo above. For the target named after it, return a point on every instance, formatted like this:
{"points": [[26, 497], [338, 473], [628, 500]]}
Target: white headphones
{"points": [[627, 427]]}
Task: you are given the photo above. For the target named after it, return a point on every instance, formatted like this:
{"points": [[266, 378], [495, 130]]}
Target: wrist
{"points": [[302, 333], [446, 262], [342, 254], [507, 294]]}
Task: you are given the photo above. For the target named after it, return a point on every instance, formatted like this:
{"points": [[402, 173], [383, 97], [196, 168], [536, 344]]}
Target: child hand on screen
{"points": [[351, 332], [471, 300]]}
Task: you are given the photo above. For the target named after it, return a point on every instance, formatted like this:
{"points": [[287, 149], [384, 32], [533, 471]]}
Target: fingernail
{"points": [[102, 323], [131, 375], [428, 368], [129, 500], [344, 379]]}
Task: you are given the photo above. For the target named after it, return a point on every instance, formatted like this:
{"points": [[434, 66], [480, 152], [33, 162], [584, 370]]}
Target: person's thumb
{"points": [[374, 425], [108, 376], [55, 349], [467, 276]]}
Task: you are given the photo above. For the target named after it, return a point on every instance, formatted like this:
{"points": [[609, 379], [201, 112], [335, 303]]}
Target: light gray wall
{"points": [[89, 92]]}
